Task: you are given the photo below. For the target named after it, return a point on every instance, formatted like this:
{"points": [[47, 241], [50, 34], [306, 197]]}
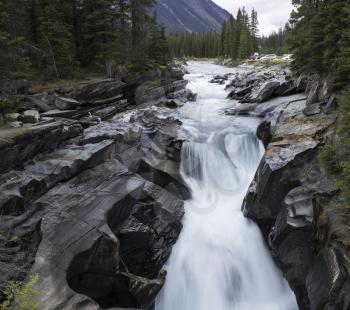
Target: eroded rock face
{"points": [[294, 202], [94, 211]]}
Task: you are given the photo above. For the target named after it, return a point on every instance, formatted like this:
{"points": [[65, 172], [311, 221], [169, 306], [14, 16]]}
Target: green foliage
{"points": [[238, 39], [320, 39], [276, 42], [21, 296], [56, 38], [335, 155]]}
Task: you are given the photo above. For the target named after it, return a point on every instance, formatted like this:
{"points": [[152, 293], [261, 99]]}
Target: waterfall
{"points": [[220, 261]]}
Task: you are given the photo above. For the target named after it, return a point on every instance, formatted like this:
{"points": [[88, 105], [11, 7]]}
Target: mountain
{"points": [[190, 15]]}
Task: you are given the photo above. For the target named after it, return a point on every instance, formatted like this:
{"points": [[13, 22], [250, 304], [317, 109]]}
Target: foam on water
{"points": [[220, 261]]}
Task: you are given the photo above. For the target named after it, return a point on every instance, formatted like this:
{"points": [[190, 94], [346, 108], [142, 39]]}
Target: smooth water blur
{"points": [[220, 261]]}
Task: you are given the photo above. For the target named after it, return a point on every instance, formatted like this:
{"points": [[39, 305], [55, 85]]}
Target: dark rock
{"points": [[20, 145], [266, 91], [175, 103], [312, 109], [301, 83], [331, 105], [59, 113], [264, 133], [62, 103], [313, 89], [44, 102], [99, 91], [285, 199], [286, 89]]}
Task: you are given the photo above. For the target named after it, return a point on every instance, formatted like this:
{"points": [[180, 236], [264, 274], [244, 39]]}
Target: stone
{"points": [[313, 89], [63, 103], [266, 91], [31, 116], [331, 105], [175, 103], [243, 109], [12, 117], [59, 113], [312, 109], [16, 124], [301, 83], [100, 90]]}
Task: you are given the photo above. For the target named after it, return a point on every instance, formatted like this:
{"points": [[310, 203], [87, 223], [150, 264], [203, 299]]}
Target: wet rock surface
{"points": [[291, 197], [92, 206]]}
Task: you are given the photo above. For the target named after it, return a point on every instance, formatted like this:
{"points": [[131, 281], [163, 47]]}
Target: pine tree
{"points": [[13, 58], [55, 37], [254, 24]]}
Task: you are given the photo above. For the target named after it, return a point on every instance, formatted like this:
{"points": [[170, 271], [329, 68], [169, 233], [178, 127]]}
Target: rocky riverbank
{"points": [[91, 196], [291, 198]]}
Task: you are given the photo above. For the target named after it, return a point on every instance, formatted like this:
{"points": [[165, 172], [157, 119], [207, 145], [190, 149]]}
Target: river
{"points": [[220, 261]]}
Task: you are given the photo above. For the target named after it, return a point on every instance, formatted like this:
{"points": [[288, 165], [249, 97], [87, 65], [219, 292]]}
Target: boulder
{"points": [[98, 91], [16, 124], [13, 117], [266, 91], [331, 105], [243, 109], [31, 116], [312, 109], [63, 103], [313, 89], [301, 83]]}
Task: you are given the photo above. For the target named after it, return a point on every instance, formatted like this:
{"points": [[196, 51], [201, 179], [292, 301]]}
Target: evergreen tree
{"points": [[254, 29], [13, 58], [55, 37]]}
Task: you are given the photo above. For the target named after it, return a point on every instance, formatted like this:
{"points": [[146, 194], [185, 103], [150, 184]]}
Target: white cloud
{"points": [[272, 14]]}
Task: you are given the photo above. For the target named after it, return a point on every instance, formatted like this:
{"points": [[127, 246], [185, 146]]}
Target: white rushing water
{"points": [[220, 261]]}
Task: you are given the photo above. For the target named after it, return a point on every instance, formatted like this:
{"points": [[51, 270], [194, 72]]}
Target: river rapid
{"points": [[220, 261]]}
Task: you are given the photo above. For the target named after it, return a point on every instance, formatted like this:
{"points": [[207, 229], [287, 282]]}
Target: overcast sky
{"points": [[272, 13]]}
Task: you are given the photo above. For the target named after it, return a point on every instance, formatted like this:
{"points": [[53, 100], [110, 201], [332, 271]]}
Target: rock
{"points": [[12, 117], [20, 145], [16, 124], [44, 102], [63, 103], [148, 91], [101, 90], [243, 109], [331, 105], [59, 113], [175, 103], [312, 109], [301, 83], [31, 116], [287, 199], [266, 91], [264, 133], [285, 89], [314, 87], [191, 96]]}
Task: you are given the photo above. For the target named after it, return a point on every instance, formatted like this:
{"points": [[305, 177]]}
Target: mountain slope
{"points": [[190, 15]]}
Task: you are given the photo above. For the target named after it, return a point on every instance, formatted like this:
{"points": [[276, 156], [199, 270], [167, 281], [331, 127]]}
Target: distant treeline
{"points": [[276, 42], [55, 37], [238, 39]]}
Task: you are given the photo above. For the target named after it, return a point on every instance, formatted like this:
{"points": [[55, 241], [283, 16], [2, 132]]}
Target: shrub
{"points": [[335, 155], [21, 296]]}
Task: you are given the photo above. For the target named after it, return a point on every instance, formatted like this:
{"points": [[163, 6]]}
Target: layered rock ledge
{"points": [[291, 198], [91, 198]]}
